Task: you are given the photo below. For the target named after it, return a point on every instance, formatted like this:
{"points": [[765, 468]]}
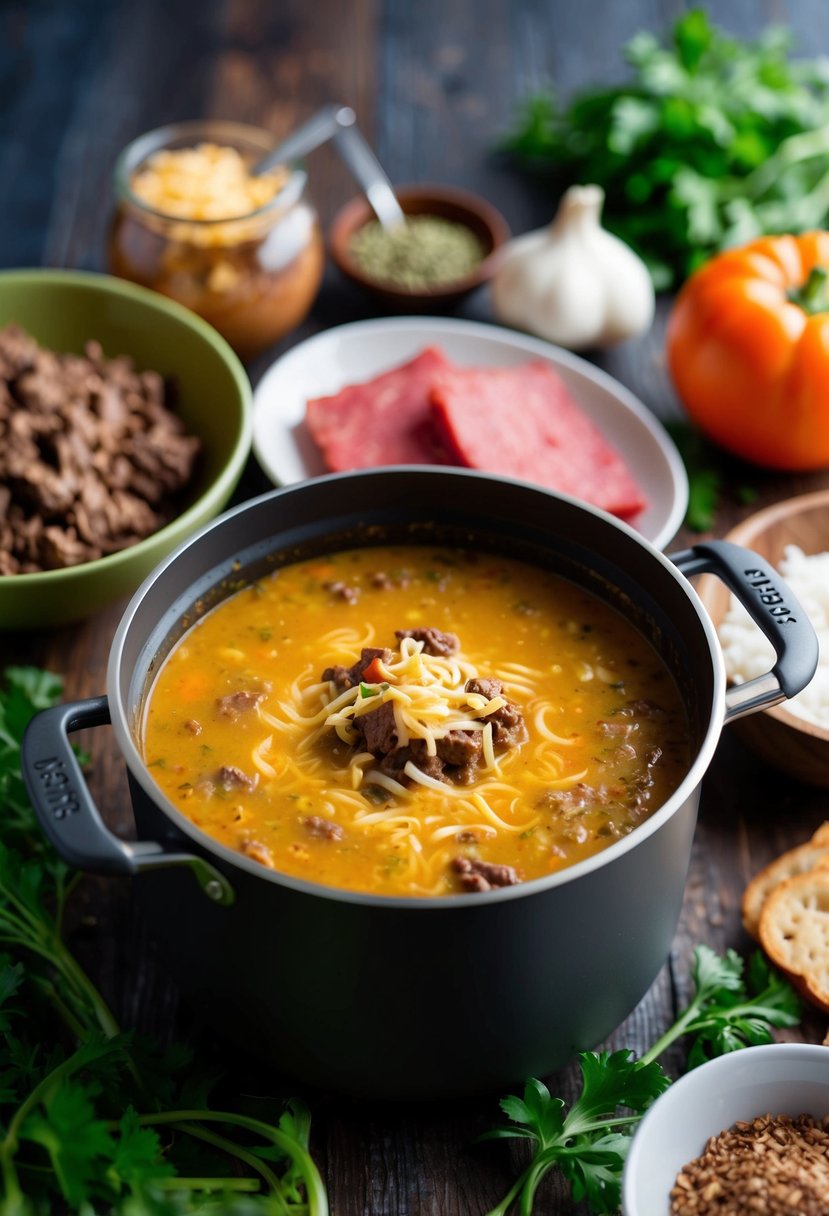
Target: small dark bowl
{"points": [[459, 205]]}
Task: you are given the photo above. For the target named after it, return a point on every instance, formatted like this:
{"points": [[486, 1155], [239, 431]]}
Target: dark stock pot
{"points": [[407, 997]]}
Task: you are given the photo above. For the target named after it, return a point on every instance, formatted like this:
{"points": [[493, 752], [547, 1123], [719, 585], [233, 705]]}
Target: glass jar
{"points": [[253, 276]]}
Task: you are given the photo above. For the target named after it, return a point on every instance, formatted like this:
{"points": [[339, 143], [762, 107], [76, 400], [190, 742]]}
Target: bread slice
{"points": [[794, 932], [799, 860]]}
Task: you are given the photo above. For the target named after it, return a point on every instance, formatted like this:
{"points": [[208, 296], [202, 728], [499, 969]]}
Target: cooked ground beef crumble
{"points": [[92, 459]]}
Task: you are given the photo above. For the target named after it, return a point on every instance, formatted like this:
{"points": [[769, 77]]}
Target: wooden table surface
{"points": [[434, 85]]}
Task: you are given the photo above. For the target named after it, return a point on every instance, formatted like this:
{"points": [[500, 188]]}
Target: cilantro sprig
{"points": [[712, 142], [589, 1142], [585, 1142], [729, 1011], [92, 1120]]}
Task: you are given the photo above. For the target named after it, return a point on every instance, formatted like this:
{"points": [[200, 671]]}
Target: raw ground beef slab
{"points": [[387, 420], [522, 422]]}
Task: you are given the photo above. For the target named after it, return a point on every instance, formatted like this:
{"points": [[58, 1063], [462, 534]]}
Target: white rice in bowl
{"points": [[747, 653]]}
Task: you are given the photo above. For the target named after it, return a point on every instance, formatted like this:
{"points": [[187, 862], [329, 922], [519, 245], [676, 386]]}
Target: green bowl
{"points": [[63, 310]]}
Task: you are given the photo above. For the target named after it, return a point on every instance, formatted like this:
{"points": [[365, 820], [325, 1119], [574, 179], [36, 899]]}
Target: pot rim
{"points": [[231, 858]]}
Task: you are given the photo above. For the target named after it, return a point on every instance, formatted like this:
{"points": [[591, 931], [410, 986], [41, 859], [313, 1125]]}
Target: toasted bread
{"points": [[795, 861], [794, 932]]}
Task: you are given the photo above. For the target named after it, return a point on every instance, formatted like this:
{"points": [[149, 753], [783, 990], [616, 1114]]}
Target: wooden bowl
{"points": [[788, 742], [445, 201]]}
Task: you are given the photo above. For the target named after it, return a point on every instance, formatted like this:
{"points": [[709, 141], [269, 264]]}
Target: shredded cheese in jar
{"points": [[207, 182]]}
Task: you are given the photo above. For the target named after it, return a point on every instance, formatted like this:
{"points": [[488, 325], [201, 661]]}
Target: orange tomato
{"points": [[748, 350]]}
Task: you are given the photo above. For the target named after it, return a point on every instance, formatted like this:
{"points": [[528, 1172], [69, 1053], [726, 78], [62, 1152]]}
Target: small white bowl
{"points": [[776, 1079]]}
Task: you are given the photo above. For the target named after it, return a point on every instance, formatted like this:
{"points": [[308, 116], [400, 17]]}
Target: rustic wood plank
{"points": [[434, 87], [132, 83], [44, 52]]}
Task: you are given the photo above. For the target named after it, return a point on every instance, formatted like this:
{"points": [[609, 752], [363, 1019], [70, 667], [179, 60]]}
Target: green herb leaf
{"points": [[79, 1146], [589, 1142], [612, 1079], [727, 1012], [11, 977], [543, 1115], [595, 1171], [733, 1013], [296, 1122], [714, 974], [70, 1137], [713, 140], [138, 1158]]}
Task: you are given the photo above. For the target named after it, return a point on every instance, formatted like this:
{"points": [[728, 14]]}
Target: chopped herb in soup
{"points": [[415, 721]]}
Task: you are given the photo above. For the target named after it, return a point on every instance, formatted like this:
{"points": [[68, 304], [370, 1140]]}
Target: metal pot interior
{"points": [[417, 506]]}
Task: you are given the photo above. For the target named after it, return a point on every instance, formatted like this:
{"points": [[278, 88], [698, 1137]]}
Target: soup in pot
{"points": [[415, 721]]}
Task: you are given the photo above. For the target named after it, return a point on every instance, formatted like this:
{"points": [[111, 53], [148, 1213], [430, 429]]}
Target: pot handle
{"points": [[773, 607], [68, 815]]}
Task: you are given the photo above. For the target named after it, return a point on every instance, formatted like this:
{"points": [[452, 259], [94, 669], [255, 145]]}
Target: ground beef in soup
{"points": [[435, 641], [458, 753], [378, 730], [394, 762], [237, 703], [230, 777], [508, 728], [476, 875], [342, 591], [322, 829]]}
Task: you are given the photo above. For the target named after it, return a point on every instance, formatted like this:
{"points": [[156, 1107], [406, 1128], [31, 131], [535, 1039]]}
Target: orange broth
{"points": [[242, 693]]}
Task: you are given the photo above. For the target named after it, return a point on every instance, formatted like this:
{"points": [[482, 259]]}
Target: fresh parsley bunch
{"points": [[712, 142], [585, 1142], [94, 1121], [589, 1142]]}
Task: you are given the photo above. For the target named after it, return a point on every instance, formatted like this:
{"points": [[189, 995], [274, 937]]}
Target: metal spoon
{"points": [[338, 123], [370, 175]]}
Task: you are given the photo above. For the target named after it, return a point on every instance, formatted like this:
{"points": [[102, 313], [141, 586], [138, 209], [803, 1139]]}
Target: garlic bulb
{"points": [[574, 283]]}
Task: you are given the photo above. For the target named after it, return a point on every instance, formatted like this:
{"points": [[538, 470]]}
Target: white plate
{"points": [[350, 354]]}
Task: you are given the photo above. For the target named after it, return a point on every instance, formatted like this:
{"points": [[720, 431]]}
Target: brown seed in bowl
{"points": [[772, 1165]]}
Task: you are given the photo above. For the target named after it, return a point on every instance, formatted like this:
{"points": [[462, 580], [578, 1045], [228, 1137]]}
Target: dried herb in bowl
{"points": [[425, 251]]}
